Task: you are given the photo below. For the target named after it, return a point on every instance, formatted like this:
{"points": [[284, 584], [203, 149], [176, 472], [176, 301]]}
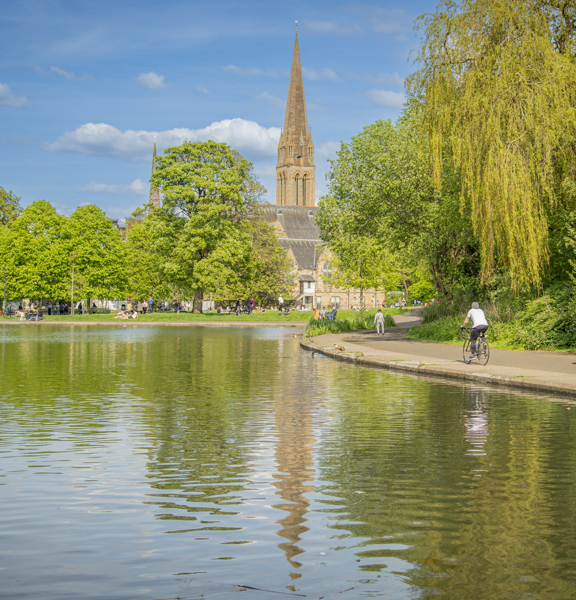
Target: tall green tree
{"points": [[381, 195], [201, 229], [36, 255], [497, 84], [274, 272], [97, 254]]}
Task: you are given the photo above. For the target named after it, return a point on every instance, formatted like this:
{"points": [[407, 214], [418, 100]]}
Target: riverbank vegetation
{"points": [[472, 191], [351, 322]]}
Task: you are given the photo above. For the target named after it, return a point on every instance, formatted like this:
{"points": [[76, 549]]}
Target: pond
{"points": [[164, 462]]}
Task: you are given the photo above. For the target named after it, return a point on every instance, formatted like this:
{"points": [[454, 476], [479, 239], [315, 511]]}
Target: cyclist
{"points": [[479, 325]]}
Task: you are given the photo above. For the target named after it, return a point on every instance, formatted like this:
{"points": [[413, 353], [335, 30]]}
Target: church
{"points": [[293, 215]]}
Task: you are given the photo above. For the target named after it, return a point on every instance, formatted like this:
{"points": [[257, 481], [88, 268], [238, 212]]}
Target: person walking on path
{"points": [[479, 325], [379, 321], [280, 303]]}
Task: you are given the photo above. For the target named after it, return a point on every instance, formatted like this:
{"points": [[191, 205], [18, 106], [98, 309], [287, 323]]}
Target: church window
{"points": [[304, 191], [296, 191], [290, 150], [327, 271]]}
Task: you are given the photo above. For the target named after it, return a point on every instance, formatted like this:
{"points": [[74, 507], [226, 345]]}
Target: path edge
{"points": [[436, 370]]}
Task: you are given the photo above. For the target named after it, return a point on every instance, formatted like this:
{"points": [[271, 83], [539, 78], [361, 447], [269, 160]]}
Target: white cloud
{"points": [[7, 98], [380, 79], [152, 80], [273, 100], [136, 187], [68, 74], [101, 139], [201, 89], [315, 75], [252, 71], [331, 27], [328, 150], [385, 98]]}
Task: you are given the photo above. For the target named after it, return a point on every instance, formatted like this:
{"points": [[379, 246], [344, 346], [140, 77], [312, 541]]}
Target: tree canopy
{"points": [[497, 85]]}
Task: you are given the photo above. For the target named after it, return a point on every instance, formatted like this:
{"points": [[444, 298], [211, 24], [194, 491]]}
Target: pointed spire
{"points": [[154, 193], [296, 120]]}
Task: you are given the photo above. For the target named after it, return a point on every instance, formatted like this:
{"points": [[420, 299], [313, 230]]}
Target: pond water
{"points": [[164, 462]]}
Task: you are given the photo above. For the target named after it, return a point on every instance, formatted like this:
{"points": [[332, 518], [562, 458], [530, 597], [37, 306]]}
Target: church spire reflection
{"points": [[295, 460]]}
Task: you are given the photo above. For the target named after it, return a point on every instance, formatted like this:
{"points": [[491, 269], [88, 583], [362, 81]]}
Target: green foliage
{"points": [[351, 323], [423, 290], [96, 249], [381, 197], [274, 272], [143, 266], [201, 231], [10, 208], [547, 322], [35, 253], [498, 88]]}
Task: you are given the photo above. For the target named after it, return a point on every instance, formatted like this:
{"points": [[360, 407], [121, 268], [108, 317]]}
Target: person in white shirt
{"points": [[479, 324], [379, 321]]}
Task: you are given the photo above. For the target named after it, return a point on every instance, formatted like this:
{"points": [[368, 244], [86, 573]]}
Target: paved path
{"points": [[550, 371]]}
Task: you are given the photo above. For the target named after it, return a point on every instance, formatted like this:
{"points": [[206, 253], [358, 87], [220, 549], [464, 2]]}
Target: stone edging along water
{"points": [[529, 380]]}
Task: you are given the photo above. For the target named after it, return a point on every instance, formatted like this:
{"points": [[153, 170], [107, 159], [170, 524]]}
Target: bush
{"points": [[547, 322], [362, 321]]}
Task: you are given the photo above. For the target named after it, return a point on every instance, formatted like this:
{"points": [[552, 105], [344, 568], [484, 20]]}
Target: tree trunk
{"points": [[72, 292], [197, 303], [361, 297]]}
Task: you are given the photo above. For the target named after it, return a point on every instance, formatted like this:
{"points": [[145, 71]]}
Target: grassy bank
{"points": [[547, 322], [351, 322], [212, 317]]}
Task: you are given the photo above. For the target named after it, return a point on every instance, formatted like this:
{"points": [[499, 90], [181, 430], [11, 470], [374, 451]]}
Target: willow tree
{"points": [[497, 84]]}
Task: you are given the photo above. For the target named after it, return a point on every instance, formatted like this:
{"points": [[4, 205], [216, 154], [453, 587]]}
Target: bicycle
{"points": [[482, 353]]}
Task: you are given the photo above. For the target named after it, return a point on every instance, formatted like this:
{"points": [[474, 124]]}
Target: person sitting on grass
{"points": [[332, 315], [121, 315], [134, 315]]}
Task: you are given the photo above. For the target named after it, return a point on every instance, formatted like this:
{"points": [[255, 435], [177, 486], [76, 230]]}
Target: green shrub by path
{"points": [[544, 323], [353, 322]]}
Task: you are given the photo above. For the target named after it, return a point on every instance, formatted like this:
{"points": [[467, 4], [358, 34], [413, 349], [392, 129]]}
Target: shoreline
{"points": [[504, 376], [135, 322]]}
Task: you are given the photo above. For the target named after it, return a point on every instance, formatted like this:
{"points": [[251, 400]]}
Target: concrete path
{"points": [[549, 371]]}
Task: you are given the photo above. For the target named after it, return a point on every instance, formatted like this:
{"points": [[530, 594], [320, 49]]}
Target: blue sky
{"points": [[85, 86]]}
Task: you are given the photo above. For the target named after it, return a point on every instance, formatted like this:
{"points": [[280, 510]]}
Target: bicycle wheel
{"points": [[483, 352], [466, 352]]}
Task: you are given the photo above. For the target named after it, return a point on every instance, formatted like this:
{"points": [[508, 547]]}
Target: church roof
{"points": [[304, 251], [298, 222]]}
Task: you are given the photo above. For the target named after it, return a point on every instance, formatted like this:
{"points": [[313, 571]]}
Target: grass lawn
{"points": [[213, 317]]}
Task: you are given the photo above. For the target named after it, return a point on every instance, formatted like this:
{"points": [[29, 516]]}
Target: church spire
{"points": [[295, 170], [296, 120], [154, 193]]}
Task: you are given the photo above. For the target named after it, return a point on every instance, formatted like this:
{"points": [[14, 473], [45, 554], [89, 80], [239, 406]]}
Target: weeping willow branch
{"points": [[495, 90]]}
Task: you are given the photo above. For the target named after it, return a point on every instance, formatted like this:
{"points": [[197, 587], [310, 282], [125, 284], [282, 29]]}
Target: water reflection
{"points": [[476, 421], [294, 459], [168, 462]]}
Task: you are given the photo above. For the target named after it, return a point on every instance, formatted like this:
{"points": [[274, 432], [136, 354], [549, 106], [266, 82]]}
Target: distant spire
{"points": [[296, 120], [154, 193]]}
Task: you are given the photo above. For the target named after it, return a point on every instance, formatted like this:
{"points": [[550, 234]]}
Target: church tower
{"points": [[154, 193], [295, 170]]}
